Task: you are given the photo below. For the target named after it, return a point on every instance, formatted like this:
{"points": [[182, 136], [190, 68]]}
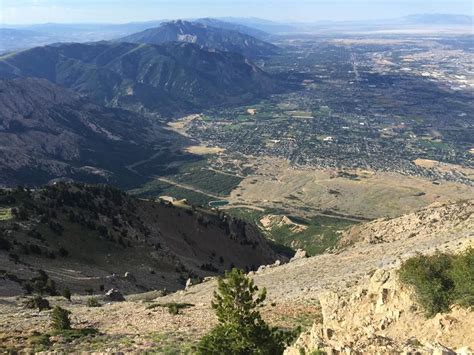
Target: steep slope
{"points": [[86, 236], [452, 225], [204, 34], [447, 227], [167, 79], [48, 132], [355, 297]]}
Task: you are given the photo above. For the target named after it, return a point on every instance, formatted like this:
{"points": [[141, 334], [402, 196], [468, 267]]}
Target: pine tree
{"points": [[241, 329]]}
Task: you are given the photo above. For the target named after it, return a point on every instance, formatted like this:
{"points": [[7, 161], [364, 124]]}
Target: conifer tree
{"points": [[241, 329]]}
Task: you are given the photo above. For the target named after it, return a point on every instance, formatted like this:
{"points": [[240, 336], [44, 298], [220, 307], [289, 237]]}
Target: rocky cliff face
{"points": [[379, 314]]}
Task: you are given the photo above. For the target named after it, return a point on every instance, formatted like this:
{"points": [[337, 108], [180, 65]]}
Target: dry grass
{"points": [[203, 150], [276, 184]]}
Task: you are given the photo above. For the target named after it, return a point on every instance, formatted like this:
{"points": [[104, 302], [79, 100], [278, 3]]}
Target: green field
{"points": [[200, 176], [321, 232], [194, 175], [320, 235], [218, 203]]}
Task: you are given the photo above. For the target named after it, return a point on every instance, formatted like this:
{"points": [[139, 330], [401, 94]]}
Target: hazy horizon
{"points": [[26, 12]]}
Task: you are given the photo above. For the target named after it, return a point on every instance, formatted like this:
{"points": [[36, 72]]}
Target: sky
{"points": [[122, 11]]}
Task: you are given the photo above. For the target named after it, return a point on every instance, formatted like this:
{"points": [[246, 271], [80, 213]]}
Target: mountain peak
{"points": [[205, 35]]}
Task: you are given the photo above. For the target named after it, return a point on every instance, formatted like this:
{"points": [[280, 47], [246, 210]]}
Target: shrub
{"points": [[462, 274], [60, 319], [174, 308], [93, 302], [440, 280], [40, 342], [241, 329], [37, 302], [41, 284], [67, 294]]}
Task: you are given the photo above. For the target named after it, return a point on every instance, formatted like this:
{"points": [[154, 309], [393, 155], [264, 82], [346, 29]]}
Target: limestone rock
{"points": [[300, 254]]}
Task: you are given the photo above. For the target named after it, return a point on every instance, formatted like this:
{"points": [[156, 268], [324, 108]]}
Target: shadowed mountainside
{"points": [[166, 79], [83, 235], [47, 132]]}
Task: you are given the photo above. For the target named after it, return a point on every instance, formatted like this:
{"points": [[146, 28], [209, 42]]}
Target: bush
{"points": [[40, 342], [60, 319], [441, 280], [67, 294], [41, 284], [37, 302], [93, 302], [462, 274], [241, 329], [173, 307]]}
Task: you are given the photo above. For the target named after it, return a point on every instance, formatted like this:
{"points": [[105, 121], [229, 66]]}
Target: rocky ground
{"points": [[356, 286]]}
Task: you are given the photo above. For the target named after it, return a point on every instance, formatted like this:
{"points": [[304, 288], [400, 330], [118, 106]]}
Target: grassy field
{"points": [[320, 234]]}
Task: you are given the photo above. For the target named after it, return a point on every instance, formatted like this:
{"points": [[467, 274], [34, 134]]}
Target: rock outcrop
{"points": [[381, 316]]}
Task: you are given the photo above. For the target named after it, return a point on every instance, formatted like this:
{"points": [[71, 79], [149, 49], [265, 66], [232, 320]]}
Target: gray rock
{"points": [[114, 295]]}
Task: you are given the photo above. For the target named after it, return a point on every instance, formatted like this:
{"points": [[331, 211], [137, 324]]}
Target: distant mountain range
{"points": [[28, 36], [47, 132], [438, 19], [168, 79], [24, 37], [202, 34]]}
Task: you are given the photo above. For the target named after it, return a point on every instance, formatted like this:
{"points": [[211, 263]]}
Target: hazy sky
{"points": [[119, 11]]}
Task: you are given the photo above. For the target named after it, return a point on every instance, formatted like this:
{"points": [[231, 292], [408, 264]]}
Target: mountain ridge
{"points": [[167, 79], [204, 34]]}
